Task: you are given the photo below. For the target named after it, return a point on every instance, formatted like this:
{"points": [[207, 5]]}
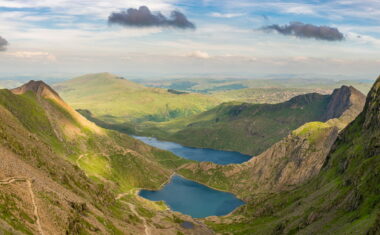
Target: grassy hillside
{"points": [[117, 100], [252, 128], [343, 199], [61, 174]]}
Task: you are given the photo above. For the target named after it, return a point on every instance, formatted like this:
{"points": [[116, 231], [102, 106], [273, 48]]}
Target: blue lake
{"points": [[194, 199], [197, 154]]}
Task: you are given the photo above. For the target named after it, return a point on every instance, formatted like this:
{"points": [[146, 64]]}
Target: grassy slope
{"points": [[118, 100], [35, 126], [247, 128], [343, 199]]}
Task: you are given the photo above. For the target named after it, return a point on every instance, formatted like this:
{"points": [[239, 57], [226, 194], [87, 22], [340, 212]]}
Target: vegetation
{"points": [[343, 199], [56, 148], [206, 85], [242, 127], [116, 100]]}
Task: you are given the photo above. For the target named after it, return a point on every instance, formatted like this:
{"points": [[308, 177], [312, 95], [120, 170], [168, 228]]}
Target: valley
{"points": [[170, 117], [122, 172]]}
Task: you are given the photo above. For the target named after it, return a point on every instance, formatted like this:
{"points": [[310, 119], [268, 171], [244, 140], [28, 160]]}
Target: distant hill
{"points": [[61, 174], [209, 85], [116, 100], [252, 128]]}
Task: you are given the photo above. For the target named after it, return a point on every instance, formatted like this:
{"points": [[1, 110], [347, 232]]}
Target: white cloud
{"points": [[33, 55], [226, 15], [199, 55]]}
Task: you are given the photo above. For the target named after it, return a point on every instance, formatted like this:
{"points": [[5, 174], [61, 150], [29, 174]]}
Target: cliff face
{"points": [[288, 163], [343, 99]]}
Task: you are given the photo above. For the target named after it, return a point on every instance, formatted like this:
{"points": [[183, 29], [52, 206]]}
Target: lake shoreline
{"points": [[181, 189]]}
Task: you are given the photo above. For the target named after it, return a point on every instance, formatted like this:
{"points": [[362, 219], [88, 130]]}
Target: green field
{"points": [[117, 100]]}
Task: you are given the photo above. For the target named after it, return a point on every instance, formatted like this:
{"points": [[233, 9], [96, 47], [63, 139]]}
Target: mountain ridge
{"points": [[76, 177], [253, 128], [342, 199]]}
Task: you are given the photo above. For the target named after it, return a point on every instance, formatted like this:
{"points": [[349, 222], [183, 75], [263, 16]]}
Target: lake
{"points": [[194, 199], [197, 154]]}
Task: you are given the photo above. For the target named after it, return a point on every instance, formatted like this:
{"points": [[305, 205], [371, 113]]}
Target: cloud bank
{"points": [[143, 17], [3, 44], [199, 55], [302, 30]]}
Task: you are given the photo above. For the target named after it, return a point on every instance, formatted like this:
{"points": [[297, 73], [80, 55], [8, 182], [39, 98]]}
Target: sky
{"points": [[158, 39]]}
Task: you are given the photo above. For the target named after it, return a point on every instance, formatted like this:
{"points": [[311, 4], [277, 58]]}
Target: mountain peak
{"points": [[342, 99], [40, 88]]}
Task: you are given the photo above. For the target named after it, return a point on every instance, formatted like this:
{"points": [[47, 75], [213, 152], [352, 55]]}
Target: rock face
{"points": [[286, 164], [37, 87], [343, 99]]}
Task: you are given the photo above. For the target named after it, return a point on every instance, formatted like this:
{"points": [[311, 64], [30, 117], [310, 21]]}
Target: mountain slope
{"points": [[61, 174], [343, 199], [252, 128], [116, 100]]}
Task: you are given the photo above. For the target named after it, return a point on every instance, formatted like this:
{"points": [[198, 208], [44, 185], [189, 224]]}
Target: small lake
{"points": [[194, 199], [197, 154]]}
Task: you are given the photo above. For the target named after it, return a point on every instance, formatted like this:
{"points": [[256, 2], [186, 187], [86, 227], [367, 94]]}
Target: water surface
{"points": [[194, 199], [197, 154]]}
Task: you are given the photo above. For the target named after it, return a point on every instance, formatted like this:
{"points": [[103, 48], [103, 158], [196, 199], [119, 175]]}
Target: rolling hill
{"points": [[116, 100], [252, 128], [61, 174]]}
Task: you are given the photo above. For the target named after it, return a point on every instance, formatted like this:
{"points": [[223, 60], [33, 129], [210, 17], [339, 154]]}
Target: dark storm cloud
{"points": [[143, 17], [3, 44], [302, 30]]}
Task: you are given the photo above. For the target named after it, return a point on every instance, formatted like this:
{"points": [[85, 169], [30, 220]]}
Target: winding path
{"points": [[30, 189], [133, 209]]}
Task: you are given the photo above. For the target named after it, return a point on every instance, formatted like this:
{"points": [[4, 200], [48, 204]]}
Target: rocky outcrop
{"points": [[343, 99], [37, 87]]}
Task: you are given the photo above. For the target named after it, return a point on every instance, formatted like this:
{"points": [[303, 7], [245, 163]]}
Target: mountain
{"points": [[61, 174], [286, 164], [253, 128], [116, 100], [343, 198]]}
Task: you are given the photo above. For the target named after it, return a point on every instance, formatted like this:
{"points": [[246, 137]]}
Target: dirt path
{"points": [[79, 158], [133, 209], [35, 207], [30, 189]]}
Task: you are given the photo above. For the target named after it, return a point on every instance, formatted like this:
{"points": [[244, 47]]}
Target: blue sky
{"points": [[55, 38]]}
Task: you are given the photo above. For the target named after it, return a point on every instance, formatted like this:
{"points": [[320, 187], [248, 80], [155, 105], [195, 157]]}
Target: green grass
{"points": [[312, 130], [116, 100]]}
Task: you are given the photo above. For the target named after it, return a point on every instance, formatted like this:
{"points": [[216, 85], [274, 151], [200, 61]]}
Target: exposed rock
{"points": [[343, 99]]}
